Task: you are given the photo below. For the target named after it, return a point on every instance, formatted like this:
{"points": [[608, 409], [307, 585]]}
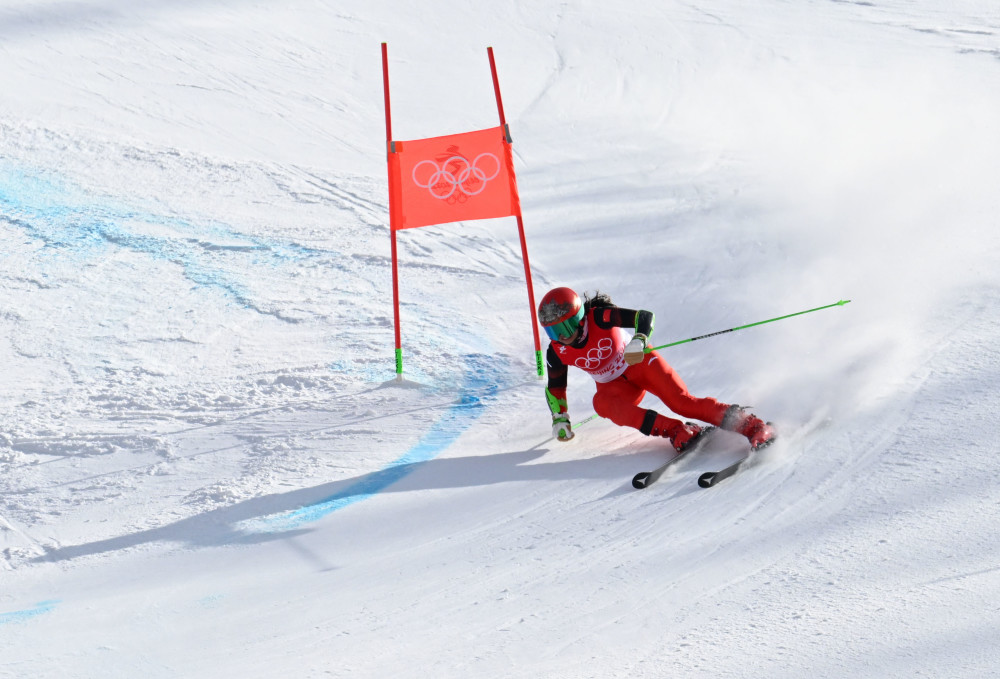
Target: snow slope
{"points": [[208, 470]]}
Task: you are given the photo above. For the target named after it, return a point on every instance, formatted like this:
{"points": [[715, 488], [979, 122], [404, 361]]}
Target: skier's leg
{"points": [[655, 375], [618, 401]]}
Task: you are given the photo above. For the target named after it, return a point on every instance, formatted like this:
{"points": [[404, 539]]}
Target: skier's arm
{"points": [[555, 395], [641, 323]]}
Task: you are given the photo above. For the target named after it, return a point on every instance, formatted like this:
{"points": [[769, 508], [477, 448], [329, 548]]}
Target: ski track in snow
{"points": [[197, 328]]}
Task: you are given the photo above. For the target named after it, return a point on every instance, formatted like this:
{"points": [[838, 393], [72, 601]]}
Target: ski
{"points": [[643, 479], [709, 479]]}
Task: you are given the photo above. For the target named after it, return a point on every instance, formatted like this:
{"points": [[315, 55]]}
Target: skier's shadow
{"points": [[223, 525]]}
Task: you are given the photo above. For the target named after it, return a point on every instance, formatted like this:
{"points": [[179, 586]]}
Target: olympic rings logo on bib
{"points": [[596, 356], [456, 174]]}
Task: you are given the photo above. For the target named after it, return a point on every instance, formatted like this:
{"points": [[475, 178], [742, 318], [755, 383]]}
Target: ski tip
{"points": [[707, 480], [640, 480]]}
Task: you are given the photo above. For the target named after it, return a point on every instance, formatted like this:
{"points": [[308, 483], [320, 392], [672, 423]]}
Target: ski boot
{"points": [[680, 434], [686, 435], [758, 432]]}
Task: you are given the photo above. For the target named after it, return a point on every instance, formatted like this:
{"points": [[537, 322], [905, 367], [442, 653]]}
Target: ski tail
{"points": [[644, 479]]}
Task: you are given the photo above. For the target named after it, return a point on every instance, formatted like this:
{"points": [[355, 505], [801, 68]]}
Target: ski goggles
{"points": [[564, 329]]}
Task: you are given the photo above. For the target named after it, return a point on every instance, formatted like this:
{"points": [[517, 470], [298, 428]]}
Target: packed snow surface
{"points": [[208, 468]]}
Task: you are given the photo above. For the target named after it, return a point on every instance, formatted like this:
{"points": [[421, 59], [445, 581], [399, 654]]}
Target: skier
{"points": [[591, 335]]}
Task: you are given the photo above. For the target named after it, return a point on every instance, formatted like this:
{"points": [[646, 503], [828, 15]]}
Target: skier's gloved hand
{"points": [[636, 349], [561, 427]]}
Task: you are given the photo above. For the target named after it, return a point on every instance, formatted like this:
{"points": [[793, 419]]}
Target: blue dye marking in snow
{"points": [[480, 382], [67, 222], [25, 615]]}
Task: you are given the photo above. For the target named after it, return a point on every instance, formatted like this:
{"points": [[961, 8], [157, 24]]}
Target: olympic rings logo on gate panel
{"points": [[455, 174]]}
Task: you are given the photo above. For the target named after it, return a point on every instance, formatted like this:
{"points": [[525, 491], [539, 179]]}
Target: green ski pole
{"points": [[749, 325]]}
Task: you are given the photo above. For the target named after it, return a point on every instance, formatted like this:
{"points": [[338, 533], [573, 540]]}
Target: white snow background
{"points": [[207, 468]]}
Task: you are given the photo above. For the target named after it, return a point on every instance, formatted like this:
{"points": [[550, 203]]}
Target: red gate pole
{"points": [[539, 363], [392, 226]]}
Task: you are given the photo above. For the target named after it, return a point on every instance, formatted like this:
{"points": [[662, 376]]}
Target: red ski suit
{"points": [[600, 351]]}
